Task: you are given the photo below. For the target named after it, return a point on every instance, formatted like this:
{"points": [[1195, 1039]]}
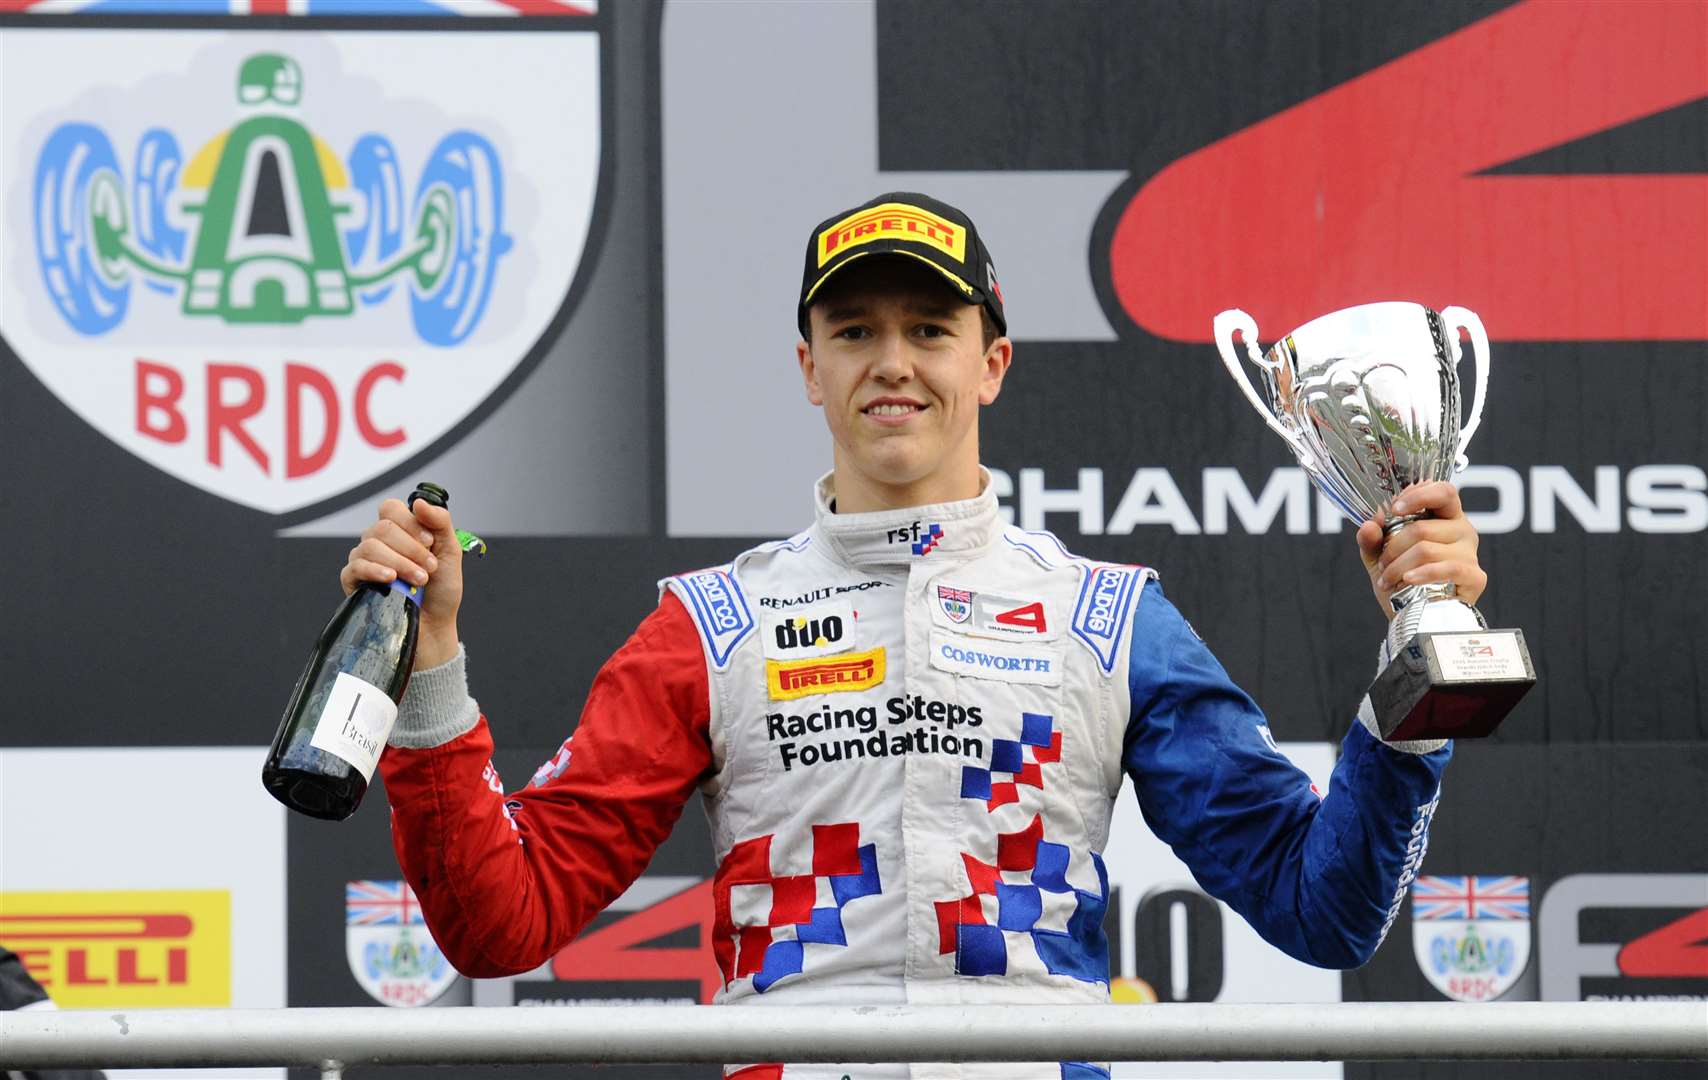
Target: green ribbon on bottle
{"points": [[470, 542]]}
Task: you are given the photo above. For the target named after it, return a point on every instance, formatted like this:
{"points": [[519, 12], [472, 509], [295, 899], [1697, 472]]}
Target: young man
{"points": [[909, 722]]}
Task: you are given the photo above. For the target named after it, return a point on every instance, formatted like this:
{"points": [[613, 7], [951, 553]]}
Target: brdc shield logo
{"points": [[391, 953], [280, 265], [1471, 935]]}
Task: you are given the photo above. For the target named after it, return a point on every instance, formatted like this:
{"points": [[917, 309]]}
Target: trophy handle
{"points": [[1236, 321], [1455, 318]]}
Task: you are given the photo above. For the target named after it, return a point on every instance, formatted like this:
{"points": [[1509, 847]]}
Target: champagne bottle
{"points": [[345, 701]]}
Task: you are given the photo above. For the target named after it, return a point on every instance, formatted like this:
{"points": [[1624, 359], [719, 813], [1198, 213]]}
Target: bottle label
{"points": [[412, 593], [355, 723]]}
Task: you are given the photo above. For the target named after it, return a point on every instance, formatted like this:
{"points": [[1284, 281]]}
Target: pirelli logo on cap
{"points": [[893, 221], [99, 950], [789, 679]]}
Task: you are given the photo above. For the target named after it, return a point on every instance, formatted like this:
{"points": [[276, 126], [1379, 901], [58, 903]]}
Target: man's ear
{"points": [[996, 361], [809, 372]]}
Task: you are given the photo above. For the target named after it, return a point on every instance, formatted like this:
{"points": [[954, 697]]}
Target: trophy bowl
{"points": [[1368, 400]]}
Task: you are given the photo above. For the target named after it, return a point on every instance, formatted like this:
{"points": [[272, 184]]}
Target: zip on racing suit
{"points": [[909, 728]]}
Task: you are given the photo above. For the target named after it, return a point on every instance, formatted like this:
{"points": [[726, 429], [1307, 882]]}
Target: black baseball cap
{"points": [[904, 223]]}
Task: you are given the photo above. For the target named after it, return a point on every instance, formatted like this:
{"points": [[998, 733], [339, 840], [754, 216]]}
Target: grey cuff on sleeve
{"points": [[436, 707]]}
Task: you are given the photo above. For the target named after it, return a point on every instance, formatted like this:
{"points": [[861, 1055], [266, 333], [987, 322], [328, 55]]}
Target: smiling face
{"points": [[900, 364]]}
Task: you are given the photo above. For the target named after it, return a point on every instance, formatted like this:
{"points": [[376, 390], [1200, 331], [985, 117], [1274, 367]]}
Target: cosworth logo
{"points": [[281, 293], [892, 221]]}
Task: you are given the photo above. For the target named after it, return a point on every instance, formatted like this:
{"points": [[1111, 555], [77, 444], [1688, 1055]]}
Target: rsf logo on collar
{"points": [[282, 293], [919, 537]]}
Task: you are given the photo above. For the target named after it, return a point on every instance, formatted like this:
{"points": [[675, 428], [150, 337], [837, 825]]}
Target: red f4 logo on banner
{"points": [[1372, 190]]}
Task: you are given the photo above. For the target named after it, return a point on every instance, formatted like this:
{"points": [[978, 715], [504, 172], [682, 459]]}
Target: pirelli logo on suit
{"points": [[786, 680]]}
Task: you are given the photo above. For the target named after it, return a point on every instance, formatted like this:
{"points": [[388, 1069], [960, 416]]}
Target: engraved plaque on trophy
{"points": [[1368, 400]]}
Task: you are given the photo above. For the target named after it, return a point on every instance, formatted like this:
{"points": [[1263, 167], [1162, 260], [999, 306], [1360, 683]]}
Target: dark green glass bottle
{"points": [[345, 701]]}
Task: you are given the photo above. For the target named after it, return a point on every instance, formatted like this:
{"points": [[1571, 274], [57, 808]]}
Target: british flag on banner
{"points": [[1471, 935], [381, 903], [391, 953]]}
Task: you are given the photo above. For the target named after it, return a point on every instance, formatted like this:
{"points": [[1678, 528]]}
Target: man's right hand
{"points": [[422, 549]]}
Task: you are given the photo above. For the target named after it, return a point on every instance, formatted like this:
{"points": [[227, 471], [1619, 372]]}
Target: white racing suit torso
{"points": [[919, 721], [917, 724]]}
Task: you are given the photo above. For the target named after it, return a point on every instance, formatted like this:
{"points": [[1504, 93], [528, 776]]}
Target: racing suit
{"points": [[909, 729]]}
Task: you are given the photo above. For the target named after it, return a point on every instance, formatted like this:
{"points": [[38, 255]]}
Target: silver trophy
{"points": [[1367, 398]]}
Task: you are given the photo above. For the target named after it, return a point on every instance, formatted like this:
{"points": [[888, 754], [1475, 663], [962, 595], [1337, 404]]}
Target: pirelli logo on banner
{"points": [[789, 679], [99, 950], [893, 221]]}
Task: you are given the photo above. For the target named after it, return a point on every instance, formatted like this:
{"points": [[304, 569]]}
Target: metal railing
{"points": [[330, 1039]]}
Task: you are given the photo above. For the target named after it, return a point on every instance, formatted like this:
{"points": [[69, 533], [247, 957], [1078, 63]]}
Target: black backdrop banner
{"points": [[187, 453]]}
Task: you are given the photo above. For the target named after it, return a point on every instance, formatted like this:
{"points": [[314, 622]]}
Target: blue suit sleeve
{"points": [[1319, 878]]}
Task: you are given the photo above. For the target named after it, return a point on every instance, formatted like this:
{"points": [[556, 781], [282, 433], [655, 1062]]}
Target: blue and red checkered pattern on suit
{"points": [[1013, 904], [763, 921], [1022, 763]]}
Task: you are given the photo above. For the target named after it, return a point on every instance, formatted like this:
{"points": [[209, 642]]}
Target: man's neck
{"points": [[857, 493]]}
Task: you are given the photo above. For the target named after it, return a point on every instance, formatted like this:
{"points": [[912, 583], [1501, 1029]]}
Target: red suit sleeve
{"points": [[506, 881]]}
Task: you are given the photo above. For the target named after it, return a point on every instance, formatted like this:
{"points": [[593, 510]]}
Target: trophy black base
{"points": [[1452, 685]]}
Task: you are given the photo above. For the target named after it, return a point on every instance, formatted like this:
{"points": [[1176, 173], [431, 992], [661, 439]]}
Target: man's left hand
{"points": [[1439, 547]]}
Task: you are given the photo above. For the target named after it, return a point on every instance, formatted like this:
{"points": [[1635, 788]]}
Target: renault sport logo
{"points": [[298, 260]]}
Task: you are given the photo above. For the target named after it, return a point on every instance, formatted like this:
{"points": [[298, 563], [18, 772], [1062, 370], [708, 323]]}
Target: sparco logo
{"points": [[1105, 590], [720, 606]]}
